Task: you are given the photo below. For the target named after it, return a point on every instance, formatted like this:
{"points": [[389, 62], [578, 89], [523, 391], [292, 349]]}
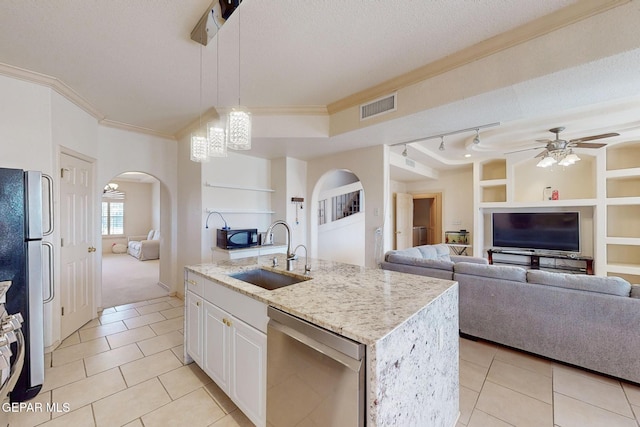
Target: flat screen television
{"points": [[546, 231]]}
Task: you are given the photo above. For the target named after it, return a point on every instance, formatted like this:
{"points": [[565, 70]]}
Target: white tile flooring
{"points": [[500, 387], [125, 369]]}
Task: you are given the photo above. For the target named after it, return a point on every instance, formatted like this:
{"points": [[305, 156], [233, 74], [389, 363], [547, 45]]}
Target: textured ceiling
{"points": [[134, 61]]}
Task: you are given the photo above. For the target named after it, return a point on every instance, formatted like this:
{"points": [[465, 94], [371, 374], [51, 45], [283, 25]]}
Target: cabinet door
{"points": [[194, 327], [216, 345], [248, 371]]}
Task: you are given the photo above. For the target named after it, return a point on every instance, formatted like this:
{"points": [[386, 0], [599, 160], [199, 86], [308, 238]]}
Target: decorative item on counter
{"points": [[547, 193], [555, 195]]}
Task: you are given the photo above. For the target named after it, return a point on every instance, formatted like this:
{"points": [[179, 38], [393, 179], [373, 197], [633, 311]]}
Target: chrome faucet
{"points": [[290, 255], [307, 266]]}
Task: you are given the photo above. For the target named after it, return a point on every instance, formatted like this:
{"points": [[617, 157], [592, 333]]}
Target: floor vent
{"points": [[379, 106]]}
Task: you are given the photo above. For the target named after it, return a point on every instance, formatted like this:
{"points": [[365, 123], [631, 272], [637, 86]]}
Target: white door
{"points": [[249, 370], [216, 345], [194, 308], [404, 221], [76, 252]]}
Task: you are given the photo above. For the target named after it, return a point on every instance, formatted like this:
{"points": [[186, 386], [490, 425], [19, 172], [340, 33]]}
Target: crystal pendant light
{"points": [[239, 129], [199, 147], [239, 120], [217, 141]]}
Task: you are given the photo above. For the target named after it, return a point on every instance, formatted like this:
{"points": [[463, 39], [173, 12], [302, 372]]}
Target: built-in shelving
{"points": [[568, 203], [623, 210]]}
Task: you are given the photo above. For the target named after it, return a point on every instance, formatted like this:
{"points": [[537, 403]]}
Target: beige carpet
{"points": [[126, 280]]}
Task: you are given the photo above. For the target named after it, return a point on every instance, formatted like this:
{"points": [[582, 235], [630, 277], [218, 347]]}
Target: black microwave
{"points": [[236, 239]]}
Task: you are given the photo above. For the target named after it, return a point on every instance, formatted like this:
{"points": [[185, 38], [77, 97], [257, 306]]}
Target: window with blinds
{"points": [[112, 218]]}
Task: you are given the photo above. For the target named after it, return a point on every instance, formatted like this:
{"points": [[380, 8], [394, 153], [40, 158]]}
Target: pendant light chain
{"points": [[216, 134], [199, 149]]}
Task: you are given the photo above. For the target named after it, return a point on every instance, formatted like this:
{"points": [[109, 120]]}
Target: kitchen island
{"points": [[408, 323]]}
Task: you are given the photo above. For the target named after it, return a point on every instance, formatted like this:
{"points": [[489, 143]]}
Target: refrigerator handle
{"points": [[50, 257], [49, 179]]}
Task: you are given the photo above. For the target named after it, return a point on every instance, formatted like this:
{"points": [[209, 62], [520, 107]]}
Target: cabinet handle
{"points": [[224, 321], [192, 282], [198, 303], [229, 323]]}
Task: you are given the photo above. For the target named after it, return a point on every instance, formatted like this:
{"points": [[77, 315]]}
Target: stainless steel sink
{"points": [[268, 279]]}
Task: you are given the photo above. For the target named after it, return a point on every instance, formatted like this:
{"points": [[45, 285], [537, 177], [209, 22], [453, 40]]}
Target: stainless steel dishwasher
{"points": [[314, 376]]}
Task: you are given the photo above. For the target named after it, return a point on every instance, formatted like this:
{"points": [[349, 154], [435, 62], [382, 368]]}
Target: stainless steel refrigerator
{"points": [[21, 263]]}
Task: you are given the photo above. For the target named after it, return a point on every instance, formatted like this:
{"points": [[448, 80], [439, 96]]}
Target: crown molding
{"points": [[539, 27], [134, 128], [52, 83]]}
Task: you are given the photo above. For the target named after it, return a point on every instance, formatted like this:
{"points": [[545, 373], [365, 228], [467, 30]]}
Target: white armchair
{"points": [[144, 247]]}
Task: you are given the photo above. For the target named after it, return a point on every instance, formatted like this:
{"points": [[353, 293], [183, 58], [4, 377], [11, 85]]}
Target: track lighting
{"points": [[404, 152], [441, 147], [476, 140]]}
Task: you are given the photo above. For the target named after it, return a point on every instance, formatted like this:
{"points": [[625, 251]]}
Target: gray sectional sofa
{"points": [[587, 321]]}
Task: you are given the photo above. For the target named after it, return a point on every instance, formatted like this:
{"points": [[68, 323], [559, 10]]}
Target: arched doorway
{"points": [[131, 213], [339, 220]]}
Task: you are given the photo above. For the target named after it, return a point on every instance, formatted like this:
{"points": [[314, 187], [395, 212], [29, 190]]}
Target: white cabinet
{"points": [[226, 337]]}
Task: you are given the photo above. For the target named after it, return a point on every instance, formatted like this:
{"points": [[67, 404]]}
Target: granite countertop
{"points": [[360, 303]]}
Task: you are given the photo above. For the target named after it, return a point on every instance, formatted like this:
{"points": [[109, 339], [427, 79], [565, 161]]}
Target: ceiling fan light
{"points": [[572, 157], [404, 152], [546, 162], [239, 129], [199, 147], [441, 147], [565, 162]]}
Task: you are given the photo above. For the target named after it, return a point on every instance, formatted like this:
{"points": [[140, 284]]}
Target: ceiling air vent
{"points": [[410, 163], [379, 106]]}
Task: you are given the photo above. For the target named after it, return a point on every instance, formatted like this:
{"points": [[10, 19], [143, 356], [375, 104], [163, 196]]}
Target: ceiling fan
{"points": [[561, 151]]}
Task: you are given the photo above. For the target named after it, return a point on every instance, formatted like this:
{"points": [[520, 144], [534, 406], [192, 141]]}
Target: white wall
{"points": [[370, 165], [157, 157], [235, 170], [456, 187], [289, 179], [37, 124], [155, 205]]}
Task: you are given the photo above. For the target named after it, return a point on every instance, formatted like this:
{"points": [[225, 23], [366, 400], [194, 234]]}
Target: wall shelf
{"points": [[493, 182], [621, 201], [239, 187], [623, 173], [633, 269], [631, 241], [241, 211]]}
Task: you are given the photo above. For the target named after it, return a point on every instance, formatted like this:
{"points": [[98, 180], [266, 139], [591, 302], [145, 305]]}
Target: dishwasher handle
{"points": [[334, 354], [342, 349]]}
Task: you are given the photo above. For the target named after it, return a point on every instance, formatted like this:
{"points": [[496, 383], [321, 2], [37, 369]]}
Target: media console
{"points": [[534, 257]]}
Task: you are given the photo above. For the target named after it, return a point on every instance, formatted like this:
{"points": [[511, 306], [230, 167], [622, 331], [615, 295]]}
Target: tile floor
{"points": [[500, 387], [125, 369]]}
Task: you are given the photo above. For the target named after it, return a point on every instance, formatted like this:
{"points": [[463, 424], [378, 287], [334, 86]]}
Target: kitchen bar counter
{"points": [[409, 324]]}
